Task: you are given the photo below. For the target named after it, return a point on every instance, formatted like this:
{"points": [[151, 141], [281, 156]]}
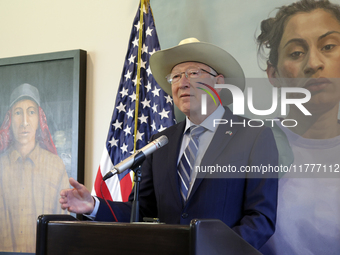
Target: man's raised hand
{"points": [[78, 199]]}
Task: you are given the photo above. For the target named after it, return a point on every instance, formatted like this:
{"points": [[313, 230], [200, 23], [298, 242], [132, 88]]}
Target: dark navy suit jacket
{"points": [[247, 205]]}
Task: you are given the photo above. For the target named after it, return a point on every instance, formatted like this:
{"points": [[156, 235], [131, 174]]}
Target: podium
{"points": [[63, 234]]}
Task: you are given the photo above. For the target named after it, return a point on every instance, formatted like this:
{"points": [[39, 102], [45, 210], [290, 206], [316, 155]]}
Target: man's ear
{"points": [[220, 80], [272, 75]]}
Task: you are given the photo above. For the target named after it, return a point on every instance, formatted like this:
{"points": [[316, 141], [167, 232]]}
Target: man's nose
{"points": [[315, 62], [184, 81], [25, 120]]}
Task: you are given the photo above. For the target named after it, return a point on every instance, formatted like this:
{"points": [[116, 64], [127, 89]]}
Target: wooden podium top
{"points": [[63, 234]]}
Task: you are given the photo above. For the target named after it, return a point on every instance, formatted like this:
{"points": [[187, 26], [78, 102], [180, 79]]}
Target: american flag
{"points": [[155, 110]]}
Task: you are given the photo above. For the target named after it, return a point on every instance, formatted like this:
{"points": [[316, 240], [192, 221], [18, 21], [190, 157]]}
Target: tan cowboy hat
{"points": [[192, 50]]}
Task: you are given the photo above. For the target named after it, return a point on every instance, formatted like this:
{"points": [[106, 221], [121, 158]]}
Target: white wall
{"points": [[101, 27]]}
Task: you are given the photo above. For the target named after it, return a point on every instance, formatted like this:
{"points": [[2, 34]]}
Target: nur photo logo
{"points": [[240, 100]]}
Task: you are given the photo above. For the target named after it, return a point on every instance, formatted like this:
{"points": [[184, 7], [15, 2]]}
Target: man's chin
{"points": [[24, 142]]}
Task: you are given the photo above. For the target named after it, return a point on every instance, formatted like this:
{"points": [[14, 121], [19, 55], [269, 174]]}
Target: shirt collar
{"points": [[208, 123], [31, 157], [14, 155]]}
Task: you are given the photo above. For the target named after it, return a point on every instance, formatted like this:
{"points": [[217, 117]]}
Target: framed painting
{"points": [[42, 138]]}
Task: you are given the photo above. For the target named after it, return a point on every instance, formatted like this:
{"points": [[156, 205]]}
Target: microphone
{"points": [[138, 157]]}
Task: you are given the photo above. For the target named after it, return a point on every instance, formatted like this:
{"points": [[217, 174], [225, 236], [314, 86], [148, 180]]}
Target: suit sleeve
{"points": [[260, 201]]}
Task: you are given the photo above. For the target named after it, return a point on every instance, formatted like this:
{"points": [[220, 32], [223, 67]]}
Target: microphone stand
{"points": [[136, 168], [135, 203]]}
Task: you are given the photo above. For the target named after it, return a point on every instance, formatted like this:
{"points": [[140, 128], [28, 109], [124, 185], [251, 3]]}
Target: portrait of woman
{"points": [[31, 172], [303, 41]]}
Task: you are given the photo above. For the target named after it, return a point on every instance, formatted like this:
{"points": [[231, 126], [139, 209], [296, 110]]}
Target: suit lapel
{"points": [[224, 133], [175, 141]]}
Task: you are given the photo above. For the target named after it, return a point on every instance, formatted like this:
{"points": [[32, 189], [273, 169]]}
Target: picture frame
{"points": [[60, 78], [42, 108]]}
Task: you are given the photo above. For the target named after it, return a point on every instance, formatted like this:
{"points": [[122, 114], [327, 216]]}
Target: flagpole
{"points": [[137, 172], [140, 41]]}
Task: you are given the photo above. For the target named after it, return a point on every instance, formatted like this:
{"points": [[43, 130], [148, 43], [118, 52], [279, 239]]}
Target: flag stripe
{"points": [[106, 192], [125, 187]]}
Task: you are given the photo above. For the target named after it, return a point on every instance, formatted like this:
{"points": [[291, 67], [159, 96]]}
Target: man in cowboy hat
{"points": [[168, 190]]}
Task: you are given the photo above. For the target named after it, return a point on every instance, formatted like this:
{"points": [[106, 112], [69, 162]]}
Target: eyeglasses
{"points": [[190, 73]]}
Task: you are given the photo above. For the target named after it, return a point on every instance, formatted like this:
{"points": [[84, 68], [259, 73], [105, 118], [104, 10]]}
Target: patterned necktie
{"points": [[188, 159]]}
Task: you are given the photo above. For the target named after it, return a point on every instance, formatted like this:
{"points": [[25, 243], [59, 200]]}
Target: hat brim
{"points": [[162, 62]]}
